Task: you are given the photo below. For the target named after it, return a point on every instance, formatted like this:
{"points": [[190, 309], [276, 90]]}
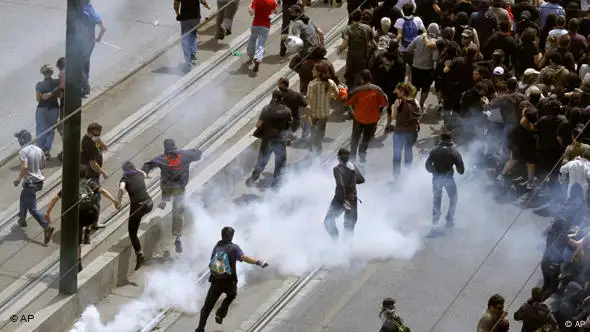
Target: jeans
{"points": [[403, 143], [136, 212], [28, 202], [258, 37], [285, 28], [87, 53], [367, 131], [45, 118], [448, 183], [217, 288], [225, 18], [335, 210], [267, 147], [318, 132], [189, 38], [176, 195]]}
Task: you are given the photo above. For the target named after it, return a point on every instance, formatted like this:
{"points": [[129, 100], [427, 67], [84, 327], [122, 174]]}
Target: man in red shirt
{"points": [[262, 11]]}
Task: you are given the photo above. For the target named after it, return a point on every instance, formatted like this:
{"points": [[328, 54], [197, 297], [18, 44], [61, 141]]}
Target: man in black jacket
{"points": [[347, 176], [535, 314], [273, 128], [440, 163], [224, 277]]}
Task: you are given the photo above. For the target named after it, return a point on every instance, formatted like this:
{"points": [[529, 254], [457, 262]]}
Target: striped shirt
{"points": [[318, 98]]}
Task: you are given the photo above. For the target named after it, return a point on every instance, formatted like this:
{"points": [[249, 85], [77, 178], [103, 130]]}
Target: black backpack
{"points": [[87, 197]]}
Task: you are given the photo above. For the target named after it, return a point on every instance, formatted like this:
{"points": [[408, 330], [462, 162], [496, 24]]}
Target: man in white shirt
{"points": [[578, 173], [32, 161]]}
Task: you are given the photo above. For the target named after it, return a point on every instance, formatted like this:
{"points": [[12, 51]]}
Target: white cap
{"points": [[530, 72], [498, 71]]}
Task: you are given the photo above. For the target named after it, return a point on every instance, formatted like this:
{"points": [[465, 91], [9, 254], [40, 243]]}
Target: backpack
{"points": [[409, 114], [409, 31], [219, 265], [86, 196]]}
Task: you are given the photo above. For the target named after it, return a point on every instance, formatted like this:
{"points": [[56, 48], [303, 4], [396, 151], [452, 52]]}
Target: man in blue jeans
{"points": [[188, 13], [32, 161], [273, 128], [440, 163], [262, 11], [90, 19]]}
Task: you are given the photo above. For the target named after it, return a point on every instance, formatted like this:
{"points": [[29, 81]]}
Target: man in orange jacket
{"points": [[366, 100]]}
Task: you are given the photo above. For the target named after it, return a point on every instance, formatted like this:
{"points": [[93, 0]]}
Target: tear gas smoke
{"points": [[286, 229]]}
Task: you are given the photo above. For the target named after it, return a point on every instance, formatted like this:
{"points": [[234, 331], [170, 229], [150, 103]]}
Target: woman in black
{"points": [[133, 182]]}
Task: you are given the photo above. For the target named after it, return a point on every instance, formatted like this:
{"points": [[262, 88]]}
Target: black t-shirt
{"points": [[521, 7], [584, 29], [91, 151], [548, 127], [526, 57], [235, 254], [504, 43], [135, 186], [276, 119], [465, 7], [190, 9], [294, 100], [46, 86]]}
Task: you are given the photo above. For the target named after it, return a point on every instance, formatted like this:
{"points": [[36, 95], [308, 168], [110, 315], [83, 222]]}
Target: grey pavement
{"points": [[21, 249]]}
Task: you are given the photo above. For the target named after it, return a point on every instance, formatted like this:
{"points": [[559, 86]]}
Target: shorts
{"points": [[523, 154], [422, 79]]}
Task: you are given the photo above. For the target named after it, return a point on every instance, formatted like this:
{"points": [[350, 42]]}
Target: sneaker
{"points": [[193, 59], [449, 224], [22, 222], [500, 178], [228, 31], [139, 262], [220, 35], [48, 233], [256, 66], [178, 244], [218, 320]]}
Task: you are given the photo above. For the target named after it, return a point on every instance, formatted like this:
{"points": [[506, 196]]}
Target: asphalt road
{"points": [[21, 248]]}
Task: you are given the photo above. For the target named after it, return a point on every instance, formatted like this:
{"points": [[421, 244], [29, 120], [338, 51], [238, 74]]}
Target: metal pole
{"points": [[68, 265]]}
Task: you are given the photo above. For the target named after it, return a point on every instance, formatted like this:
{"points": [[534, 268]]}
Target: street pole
{"points": [[68, 264]]}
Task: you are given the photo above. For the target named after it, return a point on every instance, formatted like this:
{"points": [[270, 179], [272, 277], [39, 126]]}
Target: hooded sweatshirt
{"points": [[174, 165]]}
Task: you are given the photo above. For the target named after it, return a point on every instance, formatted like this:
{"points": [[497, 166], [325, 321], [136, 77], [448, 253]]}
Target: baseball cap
{"points": [[498, 71]]}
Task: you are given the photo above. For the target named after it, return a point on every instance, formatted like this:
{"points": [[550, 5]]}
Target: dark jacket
{"points": [[442, 158], [346, 180], [276, 119], [534, 315], [174, 166]]}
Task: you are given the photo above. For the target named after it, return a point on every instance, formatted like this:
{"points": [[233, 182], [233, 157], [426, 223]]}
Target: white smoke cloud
{"points": [[286, 229]]}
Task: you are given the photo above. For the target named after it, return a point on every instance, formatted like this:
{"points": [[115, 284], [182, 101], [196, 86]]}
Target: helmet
{"points": [[293, 44]]}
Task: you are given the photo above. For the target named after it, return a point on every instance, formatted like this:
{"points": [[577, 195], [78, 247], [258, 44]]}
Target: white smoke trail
{"points": [[286, 229]]}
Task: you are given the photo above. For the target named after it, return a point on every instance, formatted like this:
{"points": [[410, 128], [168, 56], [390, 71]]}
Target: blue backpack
{"points": [[409, 31], [219, 265]]}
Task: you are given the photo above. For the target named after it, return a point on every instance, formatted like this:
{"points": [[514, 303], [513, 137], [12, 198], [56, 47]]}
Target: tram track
{"points": [[12, 296]]}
